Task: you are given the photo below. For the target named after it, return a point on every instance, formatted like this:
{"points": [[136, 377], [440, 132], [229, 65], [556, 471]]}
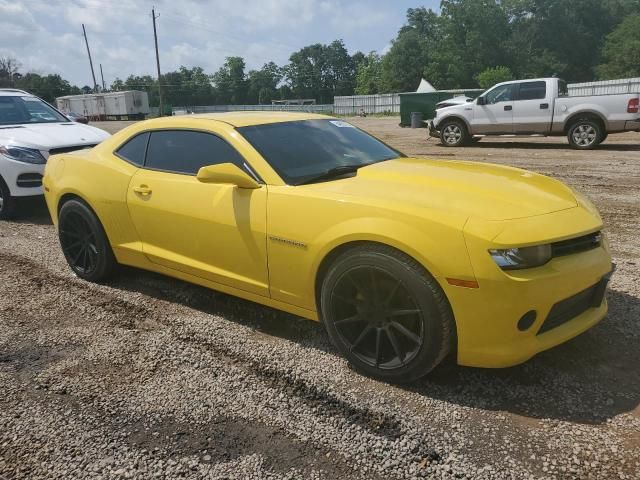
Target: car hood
{"points": [[487, 191], [45, 136]]}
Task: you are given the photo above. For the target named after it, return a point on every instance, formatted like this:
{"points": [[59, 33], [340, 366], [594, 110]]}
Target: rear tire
{"points": [[454, 133], [386, 315], [84, 242], [585, 134], [7, 202]]}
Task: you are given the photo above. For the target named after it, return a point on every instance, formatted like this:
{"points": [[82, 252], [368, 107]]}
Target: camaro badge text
{"points": [[291, 243]]}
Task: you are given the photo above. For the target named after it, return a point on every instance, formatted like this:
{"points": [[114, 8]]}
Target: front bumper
{"points": [[487, 318], [432, 130], [20, 177]]}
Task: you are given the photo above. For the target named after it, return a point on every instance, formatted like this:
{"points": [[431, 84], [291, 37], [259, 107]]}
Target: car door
{"points": [[496, 115], [213, 231], [532, 111]]}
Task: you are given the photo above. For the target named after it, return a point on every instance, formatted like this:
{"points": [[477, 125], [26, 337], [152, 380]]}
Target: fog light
{"points": [[527, 320]]}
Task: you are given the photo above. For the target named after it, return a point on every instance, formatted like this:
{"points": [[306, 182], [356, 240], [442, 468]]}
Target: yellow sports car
{"points": [[403, 259]]}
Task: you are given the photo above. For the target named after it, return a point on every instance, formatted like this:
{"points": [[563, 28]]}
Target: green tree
{"points": [[621, 53], [230, 82], [490, 76], [404, 65], [321, 72], [560, 37], [369, 75], [263, 84]]}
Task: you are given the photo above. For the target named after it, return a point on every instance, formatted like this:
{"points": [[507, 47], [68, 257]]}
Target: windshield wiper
{"points": [[334, 172]]}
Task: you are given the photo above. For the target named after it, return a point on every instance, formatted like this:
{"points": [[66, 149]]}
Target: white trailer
{"points": [[126, 105]]}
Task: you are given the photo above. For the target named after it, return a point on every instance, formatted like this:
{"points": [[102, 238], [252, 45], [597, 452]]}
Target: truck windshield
{"points": [[20, 110], [310, 150]]}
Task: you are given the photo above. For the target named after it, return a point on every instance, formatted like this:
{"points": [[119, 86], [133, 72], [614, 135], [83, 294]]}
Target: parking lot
{"points": [[152, 377]]}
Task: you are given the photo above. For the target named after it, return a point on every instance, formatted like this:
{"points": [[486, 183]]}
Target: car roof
{"points": [[12, 92], [238, 119]]}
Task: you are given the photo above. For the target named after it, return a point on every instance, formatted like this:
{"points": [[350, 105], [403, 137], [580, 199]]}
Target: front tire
{"points": [[7, 202], [386, 314], [585, 134], [84, 242], [454, 133]]}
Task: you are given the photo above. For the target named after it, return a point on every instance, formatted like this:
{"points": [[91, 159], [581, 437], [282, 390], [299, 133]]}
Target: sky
{"points": [[46, 35]]}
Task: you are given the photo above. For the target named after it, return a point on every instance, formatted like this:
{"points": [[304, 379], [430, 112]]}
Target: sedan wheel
{"points": [[386, 314], [7, 202]]}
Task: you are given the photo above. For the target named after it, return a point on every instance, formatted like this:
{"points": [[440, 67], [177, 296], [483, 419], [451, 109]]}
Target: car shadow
{"points": [[589, 379], [32, 210], [258, 317], [614, 147]]}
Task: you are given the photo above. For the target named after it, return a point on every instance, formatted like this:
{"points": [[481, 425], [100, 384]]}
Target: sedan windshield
{"points": [[18, 110], [310, 150]]}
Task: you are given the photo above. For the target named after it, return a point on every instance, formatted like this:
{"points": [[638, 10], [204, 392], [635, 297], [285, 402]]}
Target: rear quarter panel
{"points": [[611, 108], [101, 180]]}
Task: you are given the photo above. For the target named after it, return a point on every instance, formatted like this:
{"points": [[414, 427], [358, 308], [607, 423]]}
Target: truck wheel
{"points": [[585, 134], [7, 202], [453, 133]]}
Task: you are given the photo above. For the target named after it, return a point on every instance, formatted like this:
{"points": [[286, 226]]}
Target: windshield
{"points": [[302, 150], [16, 110]]}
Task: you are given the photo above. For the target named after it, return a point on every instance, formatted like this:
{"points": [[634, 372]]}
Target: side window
{"points": [[500, 94], [532, 91], [184, 151], [134, 150]]}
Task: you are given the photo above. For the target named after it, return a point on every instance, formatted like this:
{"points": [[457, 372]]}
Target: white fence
{"points": [[605, 87], [244, 108], [352, 105]]}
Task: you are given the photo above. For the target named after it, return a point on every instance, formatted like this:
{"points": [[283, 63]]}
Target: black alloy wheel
{"points": [[84, 243], [385, 313], [376, 316]]}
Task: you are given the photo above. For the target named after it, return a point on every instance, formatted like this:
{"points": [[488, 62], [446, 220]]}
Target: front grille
{"points": [[55, 151], [576, 245], [571, 307], [29, 180]]}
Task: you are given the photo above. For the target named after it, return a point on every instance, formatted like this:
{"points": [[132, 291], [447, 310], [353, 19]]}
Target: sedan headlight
{"points": [[518, 258], [22, 154]]}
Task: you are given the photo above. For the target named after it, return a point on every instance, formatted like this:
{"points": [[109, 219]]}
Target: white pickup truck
{"points": [[539, 106]]}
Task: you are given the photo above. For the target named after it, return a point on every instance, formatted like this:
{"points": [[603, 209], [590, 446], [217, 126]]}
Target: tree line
{"points": [[468, 44]]}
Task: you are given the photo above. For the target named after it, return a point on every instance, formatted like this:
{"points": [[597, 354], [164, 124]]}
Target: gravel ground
{"points": [[150, 377]]}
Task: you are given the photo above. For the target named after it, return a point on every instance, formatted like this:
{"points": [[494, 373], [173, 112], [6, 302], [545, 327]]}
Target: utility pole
{"points": [[104, 87], [155, 37], [95, 85]]}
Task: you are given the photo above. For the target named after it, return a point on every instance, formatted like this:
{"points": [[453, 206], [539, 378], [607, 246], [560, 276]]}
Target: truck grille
{"points": [[73, 148], [577, 245], [575, 305]]}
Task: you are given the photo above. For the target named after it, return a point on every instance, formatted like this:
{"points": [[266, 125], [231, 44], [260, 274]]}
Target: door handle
{"points": [[544, 106], [508, 107], [142, 190]]}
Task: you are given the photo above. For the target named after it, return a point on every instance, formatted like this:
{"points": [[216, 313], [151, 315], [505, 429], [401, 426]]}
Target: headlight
{"points": [[518, 258], [23, 154]]}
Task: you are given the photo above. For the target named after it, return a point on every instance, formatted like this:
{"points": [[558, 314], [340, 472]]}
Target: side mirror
{"points": [[226, 173], [481, 101]]}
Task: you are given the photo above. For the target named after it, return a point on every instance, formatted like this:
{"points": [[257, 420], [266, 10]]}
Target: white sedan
{"points": [[30, 131]]}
